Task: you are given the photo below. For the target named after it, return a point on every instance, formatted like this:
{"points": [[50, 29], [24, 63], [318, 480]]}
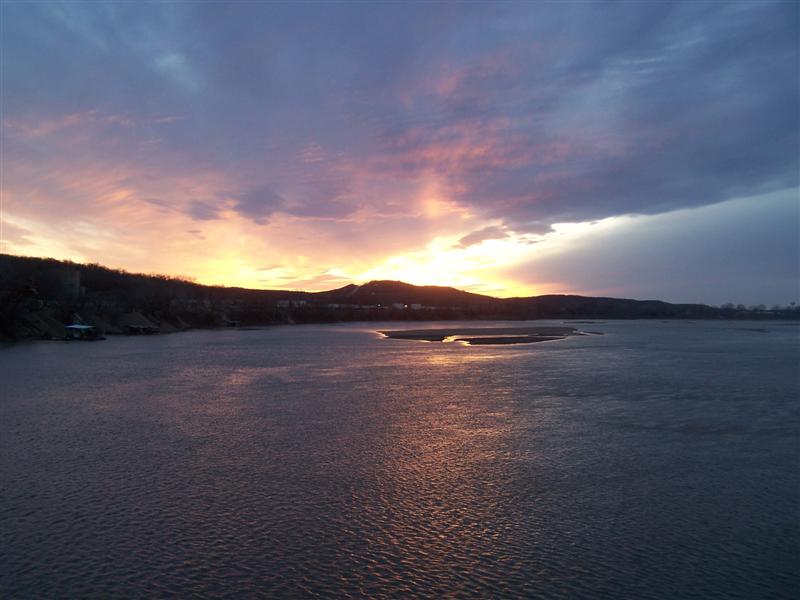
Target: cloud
{"points": [[743, 250], [611, 121], [311, 198], [481, 235], [650, 108], [380, 128], [202, 211], [320, 281], [14, 235], [258, 203]]}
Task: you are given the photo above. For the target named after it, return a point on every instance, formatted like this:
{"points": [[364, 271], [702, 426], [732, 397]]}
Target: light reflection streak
{"points": [[437, 473]]}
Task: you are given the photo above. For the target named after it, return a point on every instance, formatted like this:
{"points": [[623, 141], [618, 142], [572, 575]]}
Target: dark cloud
{"points": [[258, 203], [481, 235], [736, 251], [653, 107], [318, 199], [202, 211], [161, 205], [527, 113]]}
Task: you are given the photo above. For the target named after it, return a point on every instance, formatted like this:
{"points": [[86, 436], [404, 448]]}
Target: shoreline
{"points": [[463, 331]]}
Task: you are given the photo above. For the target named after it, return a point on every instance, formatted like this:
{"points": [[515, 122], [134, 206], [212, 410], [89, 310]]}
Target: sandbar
{"points": [[484, 335]]}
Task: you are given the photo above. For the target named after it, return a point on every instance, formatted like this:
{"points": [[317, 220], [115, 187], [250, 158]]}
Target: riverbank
{"points": [[39, 297]]}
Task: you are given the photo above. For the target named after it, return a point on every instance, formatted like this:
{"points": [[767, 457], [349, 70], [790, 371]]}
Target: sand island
{"points": [[475, 336]]}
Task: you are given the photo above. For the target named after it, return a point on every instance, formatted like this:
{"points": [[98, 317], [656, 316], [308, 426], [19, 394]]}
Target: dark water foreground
{"points": [[659, 460]]}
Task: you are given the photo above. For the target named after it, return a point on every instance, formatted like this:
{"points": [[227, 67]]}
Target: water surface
{"points": [[659, 460]]}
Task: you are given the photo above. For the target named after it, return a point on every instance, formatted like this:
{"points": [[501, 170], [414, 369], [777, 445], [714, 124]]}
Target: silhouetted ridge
{"points": [[39, 296], [389, 292]]}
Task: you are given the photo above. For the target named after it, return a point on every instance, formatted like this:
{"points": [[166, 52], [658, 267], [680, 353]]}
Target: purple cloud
{"points": [[202, 211], [521, 114], [481, 235], [258, 203]]}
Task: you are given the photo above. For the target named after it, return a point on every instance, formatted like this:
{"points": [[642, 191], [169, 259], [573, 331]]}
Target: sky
{"points": [[631, 149]]}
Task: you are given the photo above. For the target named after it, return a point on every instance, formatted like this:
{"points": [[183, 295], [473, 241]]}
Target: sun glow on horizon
{"points": [[232, 252], [227, 255], [478, 267]]}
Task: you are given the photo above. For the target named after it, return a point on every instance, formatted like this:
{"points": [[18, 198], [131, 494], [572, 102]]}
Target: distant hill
{"points": [[39, 296], [391, 292], [561, 305]]}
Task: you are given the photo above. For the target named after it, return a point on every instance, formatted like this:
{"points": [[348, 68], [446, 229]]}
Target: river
{"points": [[659, 460]]}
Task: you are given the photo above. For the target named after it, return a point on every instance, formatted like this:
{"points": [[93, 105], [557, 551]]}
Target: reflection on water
{"points": [[656, 461]]}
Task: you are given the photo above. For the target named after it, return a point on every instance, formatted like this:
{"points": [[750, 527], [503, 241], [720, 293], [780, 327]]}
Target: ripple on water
{"points": [[318, 462]]}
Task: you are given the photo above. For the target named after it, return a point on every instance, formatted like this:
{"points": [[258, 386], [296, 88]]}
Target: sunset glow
{"points": [[478, 164], [399, 299]]}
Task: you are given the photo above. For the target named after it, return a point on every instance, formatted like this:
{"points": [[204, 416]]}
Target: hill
{"points": [[387, 293], [39, 296]]}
